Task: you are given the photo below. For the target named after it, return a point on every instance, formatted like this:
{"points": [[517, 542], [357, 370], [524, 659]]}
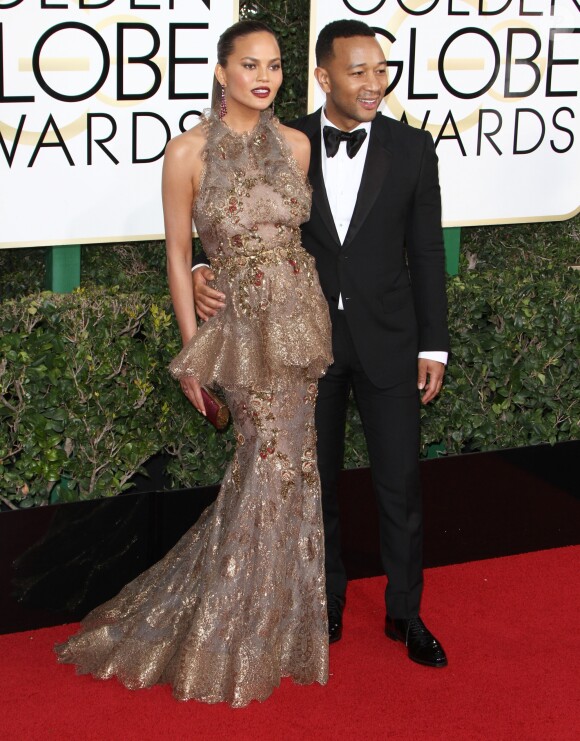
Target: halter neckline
{"points": [[264, 117]]}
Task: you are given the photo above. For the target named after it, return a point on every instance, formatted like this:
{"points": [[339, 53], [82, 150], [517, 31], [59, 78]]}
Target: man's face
{"points": [[354, 80]]}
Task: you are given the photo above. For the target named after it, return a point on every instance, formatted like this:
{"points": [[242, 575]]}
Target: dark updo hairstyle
{"points": [[345, 29], [225, 48]]}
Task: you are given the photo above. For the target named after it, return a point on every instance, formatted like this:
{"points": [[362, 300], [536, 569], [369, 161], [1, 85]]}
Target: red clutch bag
{"points": [[216, 410]]}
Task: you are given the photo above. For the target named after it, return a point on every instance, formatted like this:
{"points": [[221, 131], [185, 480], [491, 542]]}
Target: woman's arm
{"points": [[181, 169], [181, 175]]}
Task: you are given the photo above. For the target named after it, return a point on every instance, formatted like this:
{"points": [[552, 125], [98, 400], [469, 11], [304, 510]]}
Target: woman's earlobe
{"points": [[219, 74]]}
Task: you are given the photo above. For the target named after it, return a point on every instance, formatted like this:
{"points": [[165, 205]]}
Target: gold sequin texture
{"points": [[239, 602]]}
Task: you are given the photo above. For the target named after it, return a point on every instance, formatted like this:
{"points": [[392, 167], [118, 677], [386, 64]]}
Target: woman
{"points": [[240, 601]]}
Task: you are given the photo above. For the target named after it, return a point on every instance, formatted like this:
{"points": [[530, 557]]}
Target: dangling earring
{"points": [[272, 111], [223, 105]]}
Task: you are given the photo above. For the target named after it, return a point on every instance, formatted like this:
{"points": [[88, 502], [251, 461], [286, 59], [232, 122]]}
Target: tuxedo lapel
{"points": [[377, 164], [319, 196]]}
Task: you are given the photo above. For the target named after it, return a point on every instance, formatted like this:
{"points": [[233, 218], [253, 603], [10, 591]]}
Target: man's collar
{"points": [[325, 122]]}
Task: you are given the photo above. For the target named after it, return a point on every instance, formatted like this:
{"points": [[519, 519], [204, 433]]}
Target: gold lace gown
{"points": [[239, 602]]}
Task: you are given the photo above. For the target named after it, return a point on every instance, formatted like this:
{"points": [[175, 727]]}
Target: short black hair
{"points": [[344, 29]]}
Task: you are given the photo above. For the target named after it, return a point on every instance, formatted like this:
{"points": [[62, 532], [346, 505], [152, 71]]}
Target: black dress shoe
{"points": [[335, 606], [422, 646]]}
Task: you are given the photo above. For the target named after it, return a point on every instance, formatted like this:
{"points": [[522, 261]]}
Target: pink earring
{"points": [[223, 106]]}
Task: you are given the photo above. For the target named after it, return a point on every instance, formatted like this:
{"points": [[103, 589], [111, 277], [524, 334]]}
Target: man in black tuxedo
{"points": [[375, 232]]}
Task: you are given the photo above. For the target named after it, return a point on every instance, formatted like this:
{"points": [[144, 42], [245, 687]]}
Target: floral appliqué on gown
{"points": [[240, 601]]}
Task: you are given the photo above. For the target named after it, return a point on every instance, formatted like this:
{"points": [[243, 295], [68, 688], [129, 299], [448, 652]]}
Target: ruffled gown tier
{"points": [[248, 217]]}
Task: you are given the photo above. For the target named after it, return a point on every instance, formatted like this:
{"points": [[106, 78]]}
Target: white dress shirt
{"points": [[342, 179]]}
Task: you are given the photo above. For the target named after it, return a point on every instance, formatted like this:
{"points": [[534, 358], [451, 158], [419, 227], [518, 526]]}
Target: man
{"points": [[375, 232]]}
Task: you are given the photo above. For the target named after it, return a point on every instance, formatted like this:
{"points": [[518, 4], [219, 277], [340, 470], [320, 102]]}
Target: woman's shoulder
{"points": [[296, 139], [299, 145], [188, 145]]}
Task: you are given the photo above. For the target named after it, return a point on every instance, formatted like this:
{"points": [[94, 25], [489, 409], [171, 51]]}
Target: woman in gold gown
{"points": [[239, 602]]}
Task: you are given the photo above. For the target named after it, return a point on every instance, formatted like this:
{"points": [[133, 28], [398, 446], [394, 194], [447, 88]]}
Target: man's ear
{"points": [[322, 78]]}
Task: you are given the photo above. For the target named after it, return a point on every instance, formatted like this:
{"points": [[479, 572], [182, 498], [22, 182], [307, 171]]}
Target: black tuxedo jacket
{"points": [[390, 269]]}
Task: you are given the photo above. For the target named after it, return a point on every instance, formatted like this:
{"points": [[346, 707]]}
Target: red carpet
{"points": [[510, 627]]}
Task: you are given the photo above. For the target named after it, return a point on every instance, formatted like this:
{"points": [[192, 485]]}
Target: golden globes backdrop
{"points": [[90, 93], [496, 83]]}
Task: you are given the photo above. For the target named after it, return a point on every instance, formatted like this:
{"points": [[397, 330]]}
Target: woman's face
{"points": [[253, 73]]}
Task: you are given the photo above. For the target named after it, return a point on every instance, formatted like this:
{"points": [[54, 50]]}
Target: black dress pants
{"points": [[390, 419]]}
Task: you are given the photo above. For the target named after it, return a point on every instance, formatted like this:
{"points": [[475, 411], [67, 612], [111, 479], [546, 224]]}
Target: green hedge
{"points": [[85, 397], [86, 400], [514, 319]]}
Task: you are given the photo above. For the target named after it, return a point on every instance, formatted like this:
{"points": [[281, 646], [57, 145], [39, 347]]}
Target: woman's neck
{"points": [[241, 119]]}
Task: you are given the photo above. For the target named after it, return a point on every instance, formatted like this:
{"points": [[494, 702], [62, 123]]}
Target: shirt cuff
{"points": [[438, 355], [199, 265]]}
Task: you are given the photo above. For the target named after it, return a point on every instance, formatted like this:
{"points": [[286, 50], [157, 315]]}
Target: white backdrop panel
{"points": [[62, 91], [496, 83]]}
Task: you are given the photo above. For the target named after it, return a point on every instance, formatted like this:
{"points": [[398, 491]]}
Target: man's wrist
{"points": [[199, 265], [439, 356]]}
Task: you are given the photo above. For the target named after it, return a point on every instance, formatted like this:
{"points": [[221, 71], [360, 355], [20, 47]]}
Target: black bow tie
{"points": [[333, 137]]}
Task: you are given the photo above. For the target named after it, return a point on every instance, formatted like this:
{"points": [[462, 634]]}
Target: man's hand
{"points": [[430, 379], [207, 300]]}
